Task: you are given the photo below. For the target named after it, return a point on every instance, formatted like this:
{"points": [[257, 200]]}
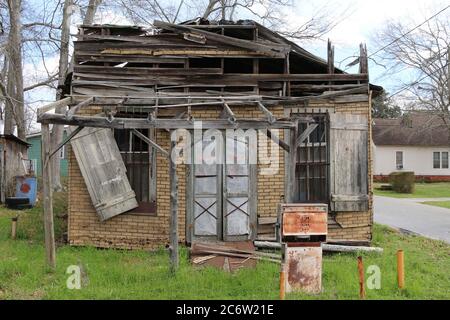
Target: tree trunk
{"points": [[57, 132], [9, 106], [64, 67], [15, 78]]}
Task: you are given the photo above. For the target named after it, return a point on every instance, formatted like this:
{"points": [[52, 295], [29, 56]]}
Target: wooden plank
{"points": [[277, 140], [53, 105], [305, 134], [273, 49], [71, 112], [269, 115], [136, 123], [135, 71], [151, 143], [173, 226], [49, 233], [68, 138]]}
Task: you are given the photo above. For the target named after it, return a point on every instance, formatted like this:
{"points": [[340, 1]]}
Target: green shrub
{"points": [[402, 182]]}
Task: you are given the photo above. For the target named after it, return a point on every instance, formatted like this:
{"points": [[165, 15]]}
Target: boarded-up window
{"points": [[104, 172], [139, 160], [349, 162]]}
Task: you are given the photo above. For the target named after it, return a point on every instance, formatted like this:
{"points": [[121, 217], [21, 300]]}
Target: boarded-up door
{"points": [[207, 206], [220, 207], [349, 162], [236, 196], [104, 172]]}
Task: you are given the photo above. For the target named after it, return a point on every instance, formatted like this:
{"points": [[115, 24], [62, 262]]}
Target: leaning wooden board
{"points": [[104, 172]]}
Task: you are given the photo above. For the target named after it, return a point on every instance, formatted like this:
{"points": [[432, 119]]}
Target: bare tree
{"points": [[63, 69], [271, 13], [423, 53]]}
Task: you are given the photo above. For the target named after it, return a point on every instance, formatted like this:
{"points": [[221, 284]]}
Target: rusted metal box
{"points": [[303, 267], [300, 220]]}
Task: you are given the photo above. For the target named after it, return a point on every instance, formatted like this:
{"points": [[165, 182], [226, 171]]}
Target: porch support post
{"points": [[173, 249], [292, 160], [48, 198]]}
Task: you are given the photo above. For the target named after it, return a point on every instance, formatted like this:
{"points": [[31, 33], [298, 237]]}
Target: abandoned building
{"points": [[131, 87], [13, 154]]}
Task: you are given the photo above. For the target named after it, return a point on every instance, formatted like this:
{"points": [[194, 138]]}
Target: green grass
{"points": [[443, 204], [422, 190], [120, 274]]}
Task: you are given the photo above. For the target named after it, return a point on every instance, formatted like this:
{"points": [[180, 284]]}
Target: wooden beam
{"points": [[173, 248], [290, 192], [151, 143], [229, 112], [273, 49], [277, 140], [50, 251], [140, 123], [330, 57], [305, 134], [53, 105], [71, 112], [62, 144], [269, 115]]}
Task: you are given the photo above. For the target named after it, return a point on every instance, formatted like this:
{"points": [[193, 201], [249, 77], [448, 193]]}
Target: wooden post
{"points": [[173, 207], [362, 290], [13, 228], [282, 284], [48, 197], [400, 269], [291, 189]]}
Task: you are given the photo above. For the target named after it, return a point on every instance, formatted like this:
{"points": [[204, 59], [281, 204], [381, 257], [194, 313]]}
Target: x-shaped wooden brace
{"points": [[237, 207], [206, 209]]}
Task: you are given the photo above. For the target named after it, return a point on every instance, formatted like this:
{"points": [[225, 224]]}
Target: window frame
{"points": [[446, 164], [322, 165], [399, 165], [145, 208], [438, 166]]}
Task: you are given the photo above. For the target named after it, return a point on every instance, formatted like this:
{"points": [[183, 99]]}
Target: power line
{"points": [[404, 35], [411, 84]]}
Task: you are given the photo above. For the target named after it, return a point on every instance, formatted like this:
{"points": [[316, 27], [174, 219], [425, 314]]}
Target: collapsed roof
{"points": [[202, 56]]}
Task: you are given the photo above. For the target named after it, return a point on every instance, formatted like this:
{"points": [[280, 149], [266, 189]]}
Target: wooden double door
{"points": [[221, 201]]}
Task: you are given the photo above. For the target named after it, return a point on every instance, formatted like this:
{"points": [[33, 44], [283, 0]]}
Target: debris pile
{"points": [[229, 256]]}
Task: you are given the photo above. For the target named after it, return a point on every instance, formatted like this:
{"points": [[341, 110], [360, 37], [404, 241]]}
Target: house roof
{"points": [[412, 129], [14, 138]]}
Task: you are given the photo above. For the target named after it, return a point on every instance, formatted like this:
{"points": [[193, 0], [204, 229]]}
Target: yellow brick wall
{"points": [[141, 231]]}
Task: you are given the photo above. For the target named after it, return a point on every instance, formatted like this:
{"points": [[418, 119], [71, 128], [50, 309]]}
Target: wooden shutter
{"points": [[104, 172], [349, 162]]}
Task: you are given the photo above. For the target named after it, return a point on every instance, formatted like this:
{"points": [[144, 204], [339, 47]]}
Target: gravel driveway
{"points": [[410, 214]]}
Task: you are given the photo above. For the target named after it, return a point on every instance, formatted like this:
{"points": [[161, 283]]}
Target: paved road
{"points": [[409, 214]]}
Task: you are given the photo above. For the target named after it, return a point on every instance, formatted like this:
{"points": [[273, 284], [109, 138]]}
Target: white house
{"points": [[418, 142]]}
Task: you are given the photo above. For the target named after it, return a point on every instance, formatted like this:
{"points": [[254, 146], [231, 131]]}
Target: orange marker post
{"points": [[282, 285], [400, 269], [362, 289]]}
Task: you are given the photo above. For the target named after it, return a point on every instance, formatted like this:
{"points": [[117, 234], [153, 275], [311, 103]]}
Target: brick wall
{"points": [[140, 231]]}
